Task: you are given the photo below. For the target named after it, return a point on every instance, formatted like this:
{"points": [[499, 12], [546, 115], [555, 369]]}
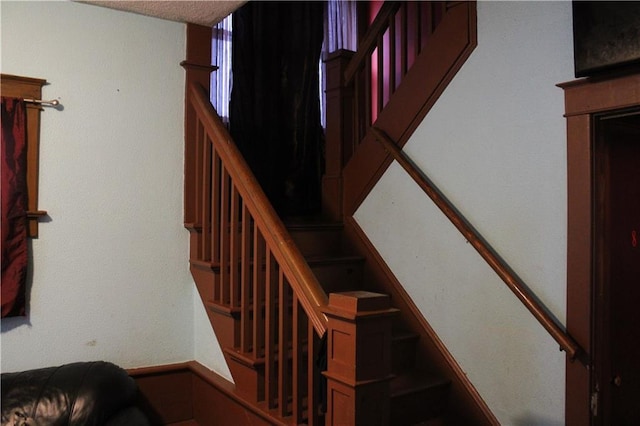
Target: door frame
{"points": [[584, 100]]}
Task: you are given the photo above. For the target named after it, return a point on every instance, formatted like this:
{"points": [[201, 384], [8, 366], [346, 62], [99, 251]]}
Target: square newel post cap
{"points": [[353, 304]]}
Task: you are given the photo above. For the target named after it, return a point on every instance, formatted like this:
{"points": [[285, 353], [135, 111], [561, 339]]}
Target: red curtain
{"points": [[14, 207]]}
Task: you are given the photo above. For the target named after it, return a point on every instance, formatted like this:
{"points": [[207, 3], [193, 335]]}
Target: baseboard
{"points": [[188, 394], [166, 392]]}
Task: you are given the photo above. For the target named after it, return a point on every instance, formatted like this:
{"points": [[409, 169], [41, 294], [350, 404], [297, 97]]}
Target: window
{"points": [[340, 32], [221, 80]]}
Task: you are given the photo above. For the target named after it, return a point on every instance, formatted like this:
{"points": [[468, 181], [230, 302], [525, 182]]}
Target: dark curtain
{"points": [[275, 109], [14, 207]]}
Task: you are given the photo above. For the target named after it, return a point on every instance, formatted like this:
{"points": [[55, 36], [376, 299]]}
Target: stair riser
{"points": [[317, 242], [339, 277], [403, 354], [249, 379], [419, 406]]}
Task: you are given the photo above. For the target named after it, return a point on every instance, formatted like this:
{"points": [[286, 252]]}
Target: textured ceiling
{"points": [[197, 12]]}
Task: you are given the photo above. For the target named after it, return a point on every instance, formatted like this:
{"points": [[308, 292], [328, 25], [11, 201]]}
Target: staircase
{"points": [[265, 282], [417, 394]]}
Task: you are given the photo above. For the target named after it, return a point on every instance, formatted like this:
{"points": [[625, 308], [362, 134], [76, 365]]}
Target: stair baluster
{"points": [[256, 276]]}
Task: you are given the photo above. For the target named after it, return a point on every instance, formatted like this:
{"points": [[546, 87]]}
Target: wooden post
{"points": [[358, 358], [339, 132], [198, 71]]}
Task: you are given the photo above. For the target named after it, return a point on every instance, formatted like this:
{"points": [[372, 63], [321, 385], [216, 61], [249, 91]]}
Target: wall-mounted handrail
{"points": [[295, 268], [510, 278]]}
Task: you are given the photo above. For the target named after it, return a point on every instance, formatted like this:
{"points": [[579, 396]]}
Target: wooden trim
{"points": [[603, 94], [157, 369], [30, 88], [466, 406], [217, 400], [339, 132], [311, 295], [165, 392], [583, 99], [189, 391], [198, 69]]}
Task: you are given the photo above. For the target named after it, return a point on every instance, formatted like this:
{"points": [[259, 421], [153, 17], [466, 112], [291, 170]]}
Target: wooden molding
{"points": [[583, 99], [189, 391], [197, 66], [166, 393], [594, 95]]}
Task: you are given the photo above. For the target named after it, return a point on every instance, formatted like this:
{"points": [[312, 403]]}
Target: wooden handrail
{"points": [[301, 279], [515, 284]]}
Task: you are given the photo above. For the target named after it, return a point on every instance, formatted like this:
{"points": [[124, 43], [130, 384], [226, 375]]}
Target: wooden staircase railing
{"points": [[266, 306], [504, 271], [248, 268], [257, 271], [400, 31]]}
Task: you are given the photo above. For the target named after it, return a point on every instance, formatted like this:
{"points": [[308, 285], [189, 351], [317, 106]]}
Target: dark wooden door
{"points": [[617, 301]]}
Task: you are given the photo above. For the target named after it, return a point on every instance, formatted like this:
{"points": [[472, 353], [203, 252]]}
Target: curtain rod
{"points": [[53, 102]]}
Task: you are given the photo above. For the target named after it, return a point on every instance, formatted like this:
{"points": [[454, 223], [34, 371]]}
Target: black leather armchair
{"points": [[82, 393]]}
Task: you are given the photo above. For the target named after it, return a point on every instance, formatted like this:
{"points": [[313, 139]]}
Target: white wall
{"points": [[207, 351], [110, 268], [495, 145]]}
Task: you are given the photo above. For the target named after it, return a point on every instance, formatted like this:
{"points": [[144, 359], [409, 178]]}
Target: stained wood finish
{"points": [[339, 132], [583, 99], [29, 88], [166, 392], [251, 268], [255, 271], [617, 338], [264, 217], [359, 358], [198, 69], [191, 394]]}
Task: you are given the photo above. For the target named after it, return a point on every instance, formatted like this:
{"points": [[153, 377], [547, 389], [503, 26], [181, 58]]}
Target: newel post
{"points": [[358, 358], [339, 132], [198, 70]]}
